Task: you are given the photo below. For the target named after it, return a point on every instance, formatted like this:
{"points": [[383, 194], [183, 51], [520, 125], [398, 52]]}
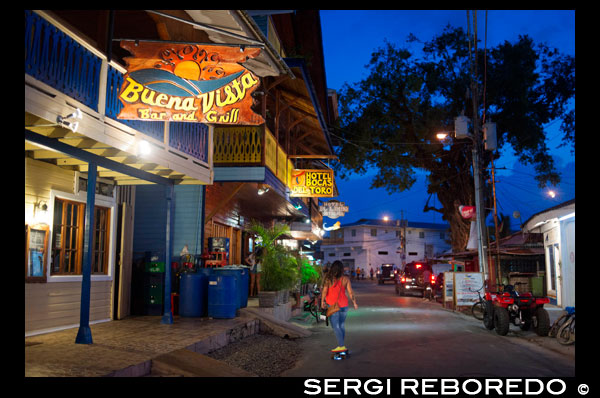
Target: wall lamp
{"points": [[262, 189], [40, 211], [65, 121]]}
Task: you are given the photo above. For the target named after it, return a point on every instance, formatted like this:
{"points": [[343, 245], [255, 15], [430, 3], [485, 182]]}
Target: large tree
{"points": [[389, 120]]}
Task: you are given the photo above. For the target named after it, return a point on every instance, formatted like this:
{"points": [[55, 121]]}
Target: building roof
{"points": [[396, 223], [552, 212]]}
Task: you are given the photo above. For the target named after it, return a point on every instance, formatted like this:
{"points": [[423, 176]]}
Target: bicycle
{"points": [[314, 305], [564, 327], [478, 307]]}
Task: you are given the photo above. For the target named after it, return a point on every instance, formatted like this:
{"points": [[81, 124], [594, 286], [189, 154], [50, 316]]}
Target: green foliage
{"points": [[388, 121], [308, 273], [279, 266]]}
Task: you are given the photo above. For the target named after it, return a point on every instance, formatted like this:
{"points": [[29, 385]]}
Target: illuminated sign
{"points": [[333, 209], [188, 83], [311, 183]]}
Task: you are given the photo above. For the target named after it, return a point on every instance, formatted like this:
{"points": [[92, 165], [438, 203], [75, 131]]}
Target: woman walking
{"points": [[254, 260], [334, 291]]}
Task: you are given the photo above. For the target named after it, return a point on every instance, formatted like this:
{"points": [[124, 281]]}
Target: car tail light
{"points": [[432, 278], [418, 266], [403, 280], [544, 300]]}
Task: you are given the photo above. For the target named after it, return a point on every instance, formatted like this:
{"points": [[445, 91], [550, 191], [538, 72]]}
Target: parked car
{"points": [[385, 273], [413, 279]]}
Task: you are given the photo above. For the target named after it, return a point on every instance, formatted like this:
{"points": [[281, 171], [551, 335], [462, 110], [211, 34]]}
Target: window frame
{"points": [[106, 245], [79, 239], [101, 201]]}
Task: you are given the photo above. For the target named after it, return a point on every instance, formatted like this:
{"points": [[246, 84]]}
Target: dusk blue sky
{"points": [[349, 38]]}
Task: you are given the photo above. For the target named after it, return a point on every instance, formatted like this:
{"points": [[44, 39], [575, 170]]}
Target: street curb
{"points": [[544, 342]]}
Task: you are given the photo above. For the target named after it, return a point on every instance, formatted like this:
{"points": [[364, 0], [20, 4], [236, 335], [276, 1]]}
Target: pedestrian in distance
{"points": [[334, 291], [254, 261], [371, 272]]}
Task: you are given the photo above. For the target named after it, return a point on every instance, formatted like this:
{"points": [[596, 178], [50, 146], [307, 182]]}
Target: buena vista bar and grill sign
{"points": [[188, 83], [311, 183]]}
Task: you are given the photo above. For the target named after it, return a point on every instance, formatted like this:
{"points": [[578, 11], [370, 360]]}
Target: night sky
{"points": [[349, 38]]}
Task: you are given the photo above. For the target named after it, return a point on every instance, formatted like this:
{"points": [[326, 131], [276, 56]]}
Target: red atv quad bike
{"points": [[523, 310]]}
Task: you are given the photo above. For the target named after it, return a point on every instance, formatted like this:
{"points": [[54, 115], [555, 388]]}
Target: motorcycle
{"points": [[523, 310]]}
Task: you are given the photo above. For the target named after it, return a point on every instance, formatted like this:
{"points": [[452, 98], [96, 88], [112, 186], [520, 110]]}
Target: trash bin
{"points": [[242, 276], [192, 299], [222, 296], [537, 286]]}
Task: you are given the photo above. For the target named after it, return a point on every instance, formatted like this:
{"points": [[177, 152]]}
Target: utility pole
{"points": [[482, 252]]}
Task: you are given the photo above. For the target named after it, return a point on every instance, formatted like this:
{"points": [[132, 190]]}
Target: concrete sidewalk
{"points": [[131, 346]]}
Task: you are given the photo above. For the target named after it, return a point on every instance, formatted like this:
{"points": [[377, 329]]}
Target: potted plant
{"points": [[278, 268]]}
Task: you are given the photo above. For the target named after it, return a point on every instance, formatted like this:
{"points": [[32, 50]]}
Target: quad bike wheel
{"points": [[541, 322], [488, 315], [501, 320]]}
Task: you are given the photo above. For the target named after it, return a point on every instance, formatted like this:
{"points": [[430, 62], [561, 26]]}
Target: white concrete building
{"points": [[558, 226], [369, 243]]}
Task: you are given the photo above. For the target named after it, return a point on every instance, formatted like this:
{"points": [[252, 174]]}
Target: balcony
{"points": [[251, 146], [63, 72]]}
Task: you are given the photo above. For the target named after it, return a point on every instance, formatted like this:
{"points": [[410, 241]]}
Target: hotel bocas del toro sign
{"points": [[188, 83], [310, 183]]}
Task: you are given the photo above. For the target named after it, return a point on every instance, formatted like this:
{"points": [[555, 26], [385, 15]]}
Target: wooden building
{"points": [[149, 186]]}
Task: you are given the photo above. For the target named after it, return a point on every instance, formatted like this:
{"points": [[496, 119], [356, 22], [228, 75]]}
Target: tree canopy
{"points": [[389, 120]]}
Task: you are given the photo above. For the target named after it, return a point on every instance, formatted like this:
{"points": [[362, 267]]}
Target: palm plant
{"points": [[279, 267]]}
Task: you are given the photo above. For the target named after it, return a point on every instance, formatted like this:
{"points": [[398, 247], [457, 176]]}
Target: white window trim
{"points": [[99, 201]]}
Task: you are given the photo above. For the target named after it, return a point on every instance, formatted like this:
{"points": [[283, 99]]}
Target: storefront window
{"points": [[68, 238]]}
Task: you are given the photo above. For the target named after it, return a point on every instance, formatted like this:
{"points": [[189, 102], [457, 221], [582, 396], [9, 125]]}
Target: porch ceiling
{"points": [[304, 120], [83, 142], [247, 203]]}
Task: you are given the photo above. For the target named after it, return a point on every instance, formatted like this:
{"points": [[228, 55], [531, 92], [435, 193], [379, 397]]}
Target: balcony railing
{"points": [[251, 146], [66, 64]]}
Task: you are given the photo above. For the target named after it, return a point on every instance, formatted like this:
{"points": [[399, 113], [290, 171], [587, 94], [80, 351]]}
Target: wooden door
{"points": [[123, 268]]}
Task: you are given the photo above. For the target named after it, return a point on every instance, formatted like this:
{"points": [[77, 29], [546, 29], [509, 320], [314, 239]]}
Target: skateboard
{"points": [[340, 355]]}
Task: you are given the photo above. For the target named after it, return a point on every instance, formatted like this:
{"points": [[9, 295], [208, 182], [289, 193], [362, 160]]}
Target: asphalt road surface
{"points": [[393, 336]]}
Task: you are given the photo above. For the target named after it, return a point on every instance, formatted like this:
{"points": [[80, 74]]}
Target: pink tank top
{"points": [[333, 292]]}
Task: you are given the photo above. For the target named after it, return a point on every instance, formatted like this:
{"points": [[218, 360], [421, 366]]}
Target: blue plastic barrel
{"points": [[241, 276], [222, 296], [192, 294], [206, 272]]}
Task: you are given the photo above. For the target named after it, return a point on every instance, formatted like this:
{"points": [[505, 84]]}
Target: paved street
{"points": [[406, 336]]}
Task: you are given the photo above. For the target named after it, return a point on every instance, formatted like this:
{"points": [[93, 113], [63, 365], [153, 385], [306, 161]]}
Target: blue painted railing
{"points": [[58, 60], [189, 138]]}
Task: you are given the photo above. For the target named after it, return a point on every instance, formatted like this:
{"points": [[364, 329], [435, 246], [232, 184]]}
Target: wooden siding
{"points": [[149, 231], [41, 178], [151, 218], [55, 305], [188, 219]]}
